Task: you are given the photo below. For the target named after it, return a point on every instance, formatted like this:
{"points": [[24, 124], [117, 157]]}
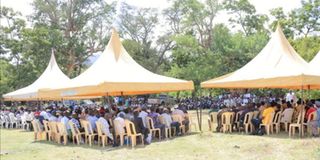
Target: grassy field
{"points": [[19, 145]]}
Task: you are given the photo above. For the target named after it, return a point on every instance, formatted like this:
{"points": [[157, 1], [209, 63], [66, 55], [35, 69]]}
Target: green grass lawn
{"points": [[19, 145]]}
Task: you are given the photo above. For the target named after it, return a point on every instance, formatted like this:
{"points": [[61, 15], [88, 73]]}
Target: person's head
{"points": [[106, 116], [289, 105], [309, 105], [75, 116], [313, 101], [121, 115], [169, 110], [158, 110], [91, 112], [136, 114], [152, 109], [299, 102], [273, 104], [165, 110], [317, 103]]}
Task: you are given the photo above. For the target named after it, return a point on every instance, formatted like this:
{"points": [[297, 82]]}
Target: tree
{"points": [[6, 76], [307, 47], [14, 61], [187, 16], [283, 20], [245, 15], [306, 20], [83, 27], [138, 26]]}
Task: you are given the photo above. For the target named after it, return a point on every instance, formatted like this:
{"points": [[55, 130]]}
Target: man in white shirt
{"points": [[168, 121], [290, 96], [45, 115], [178, 112], [92, 120], [53, 117], [105, 125], [65, 120], [143, 114], [120, 120]]}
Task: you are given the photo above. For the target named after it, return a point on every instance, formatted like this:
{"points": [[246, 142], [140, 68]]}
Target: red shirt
{"points": [[310, 110]]}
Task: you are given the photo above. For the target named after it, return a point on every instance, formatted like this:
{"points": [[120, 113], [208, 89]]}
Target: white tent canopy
{"points": [[52, 77], [116, 73], [276, 66], [315, 62]]}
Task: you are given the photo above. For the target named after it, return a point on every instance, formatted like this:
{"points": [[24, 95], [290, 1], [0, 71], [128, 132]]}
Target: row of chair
{"points": [[231, 120], [57, 131], [10, 121]]}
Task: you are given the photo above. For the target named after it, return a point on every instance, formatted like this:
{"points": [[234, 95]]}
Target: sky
{"points": [[262, 6]]}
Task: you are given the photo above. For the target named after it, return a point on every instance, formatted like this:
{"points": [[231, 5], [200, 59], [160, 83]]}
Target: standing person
{"points": [[290, 97]]}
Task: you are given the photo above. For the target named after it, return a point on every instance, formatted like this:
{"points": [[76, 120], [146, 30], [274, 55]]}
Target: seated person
{"points": [[266, 116], [75, 120], [179, 111], [168, 121], [156, 122], [315, 124], [105, 127], [219, 117], [309, 109], [283, 105], [286, 115], [140, 127], [65, 121], [248, 109], [92, 120]]}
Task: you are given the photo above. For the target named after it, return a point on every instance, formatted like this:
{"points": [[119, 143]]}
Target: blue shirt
{"points": [[76, 122], [318, 117]]}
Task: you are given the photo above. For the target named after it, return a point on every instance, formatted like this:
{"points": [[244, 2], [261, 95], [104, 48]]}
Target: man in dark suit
{"points": [[139, 125]]}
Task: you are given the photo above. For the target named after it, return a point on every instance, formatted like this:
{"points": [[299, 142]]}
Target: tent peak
{"points": [[279, 29], [115, 43], [52, 61], [279, 26]]}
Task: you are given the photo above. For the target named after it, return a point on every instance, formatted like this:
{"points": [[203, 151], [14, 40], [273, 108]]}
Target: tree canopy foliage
{"points": [[182, 41]]}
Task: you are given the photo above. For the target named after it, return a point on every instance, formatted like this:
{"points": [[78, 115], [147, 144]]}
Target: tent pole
{"points": [[301, 112], [309, 96], [198, 118], [200, 127]]}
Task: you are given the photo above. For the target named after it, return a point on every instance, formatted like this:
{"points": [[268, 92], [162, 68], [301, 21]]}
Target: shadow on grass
{"points": [[109, 147], [281, 135]]}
